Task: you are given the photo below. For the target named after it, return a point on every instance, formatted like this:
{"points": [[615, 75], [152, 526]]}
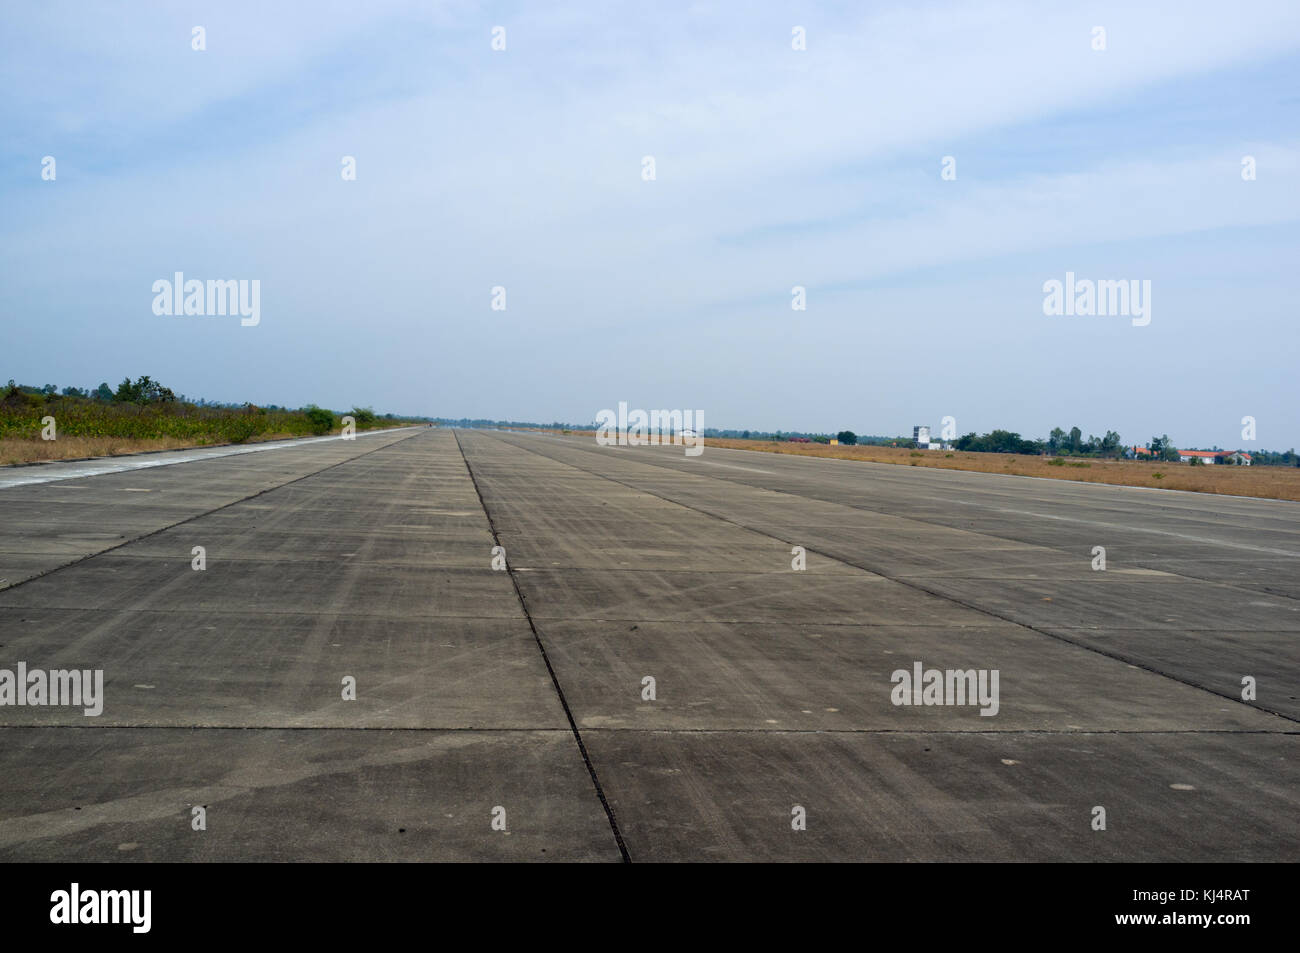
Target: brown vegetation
{"points": [[1274, 483]]}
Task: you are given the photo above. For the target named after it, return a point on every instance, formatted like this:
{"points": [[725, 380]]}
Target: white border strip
{"points": [[25, 475]]}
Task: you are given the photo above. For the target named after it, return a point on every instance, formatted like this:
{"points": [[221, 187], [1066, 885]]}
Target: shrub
{"points": [[238, 429], [158, 417], [320, 419]]}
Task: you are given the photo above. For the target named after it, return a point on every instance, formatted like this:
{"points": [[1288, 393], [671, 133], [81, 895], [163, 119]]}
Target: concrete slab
{"points": [[153, 583], [773, 685], [245, 669], [1012, 796], [917, 527], [751, 677], [127, 794], [80, 516], [372, 567]]}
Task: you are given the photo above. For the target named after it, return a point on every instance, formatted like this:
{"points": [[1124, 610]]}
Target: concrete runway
{"points": [[523, 689]]}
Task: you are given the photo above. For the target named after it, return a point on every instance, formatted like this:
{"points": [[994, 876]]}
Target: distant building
{"points": [[921, 437], [1209, 457]]}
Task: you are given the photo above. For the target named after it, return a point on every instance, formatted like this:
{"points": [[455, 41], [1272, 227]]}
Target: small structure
{"points": [[921, 437], [1209, 457]]}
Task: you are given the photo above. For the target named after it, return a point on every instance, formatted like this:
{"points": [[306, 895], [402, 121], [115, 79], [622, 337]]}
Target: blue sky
{"points": [[774, 168]]}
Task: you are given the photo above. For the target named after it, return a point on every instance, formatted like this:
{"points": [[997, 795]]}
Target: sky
{"points": [[523, 168]]}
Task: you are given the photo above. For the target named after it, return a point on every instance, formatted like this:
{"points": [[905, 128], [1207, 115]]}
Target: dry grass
{"points": [[1272, 483], [13, 450]]}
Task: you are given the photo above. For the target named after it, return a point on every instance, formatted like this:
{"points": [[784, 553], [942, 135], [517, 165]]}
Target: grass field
{"points": [[1274, 483]]}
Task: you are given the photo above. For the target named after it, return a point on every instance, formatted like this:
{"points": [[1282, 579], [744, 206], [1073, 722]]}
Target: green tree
{"points": [[847, 437], [145, 390], [1163, 449]]}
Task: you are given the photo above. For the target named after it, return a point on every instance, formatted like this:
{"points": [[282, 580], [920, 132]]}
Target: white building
{"points": [[1211, 457], [921, 435]]}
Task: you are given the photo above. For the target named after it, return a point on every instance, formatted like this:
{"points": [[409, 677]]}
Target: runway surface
{"points": [[517, 698]]}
